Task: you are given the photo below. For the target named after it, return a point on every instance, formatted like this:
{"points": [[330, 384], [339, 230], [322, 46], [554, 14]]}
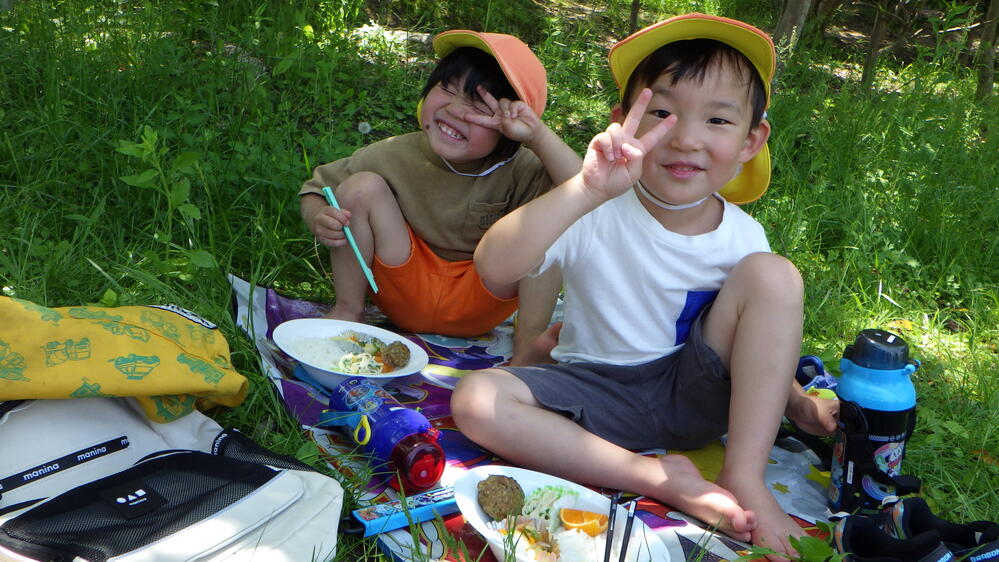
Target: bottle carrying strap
{"points": [[357, 424], [333, 418], [854, 425], [821, 449]]}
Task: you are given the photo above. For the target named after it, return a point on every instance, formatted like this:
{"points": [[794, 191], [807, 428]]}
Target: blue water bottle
{"points": [[398, 438], [877, 417]]}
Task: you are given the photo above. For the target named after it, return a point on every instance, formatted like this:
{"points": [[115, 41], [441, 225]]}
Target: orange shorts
{"points": [[430, 295]]}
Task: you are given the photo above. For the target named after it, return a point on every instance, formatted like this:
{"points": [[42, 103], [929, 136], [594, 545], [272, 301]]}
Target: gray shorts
{"points": [[679, 401]]}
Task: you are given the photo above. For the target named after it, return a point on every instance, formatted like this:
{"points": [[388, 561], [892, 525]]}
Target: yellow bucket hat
{"points": [[758, 48]]}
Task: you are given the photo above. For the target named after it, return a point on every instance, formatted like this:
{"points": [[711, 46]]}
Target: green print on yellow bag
{"points": [[170, 359]]}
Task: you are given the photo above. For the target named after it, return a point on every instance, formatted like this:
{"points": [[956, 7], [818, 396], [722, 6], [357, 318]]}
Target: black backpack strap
{"points": [[18, 506], [9, 405], [234, 444]]}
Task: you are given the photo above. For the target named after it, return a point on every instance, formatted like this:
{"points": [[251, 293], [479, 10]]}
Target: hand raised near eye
{"points": [[613, 161], [513, 119]]}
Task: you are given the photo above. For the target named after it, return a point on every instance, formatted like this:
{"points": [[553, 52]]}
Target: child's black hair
{"points": [[476, 67], [690, 59]]}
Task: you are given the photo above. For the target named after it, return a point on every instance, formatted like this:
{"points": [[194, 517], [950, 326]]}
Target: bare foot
{"points": [[773, 525], [689, 492], [342, 313]]}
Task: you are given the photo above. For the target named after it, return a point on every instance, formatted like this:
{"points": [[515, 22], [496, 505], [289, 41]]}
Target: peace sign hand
{"points": [[613, 161], [513, 119]]}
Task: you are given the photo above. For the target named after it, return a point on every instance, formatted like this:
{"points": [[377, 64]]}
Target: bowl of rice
{"points": [[544, 497], [331, 351]]}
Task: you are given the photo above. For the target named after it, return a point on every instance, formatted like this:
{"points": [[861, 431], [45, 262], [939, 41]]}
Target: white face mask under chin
{"points": [[480, 174], [664, 205]]}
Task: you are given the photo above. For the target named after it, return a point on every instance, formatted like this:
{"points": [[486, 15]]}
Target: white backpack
{"points": [[92, 479]]}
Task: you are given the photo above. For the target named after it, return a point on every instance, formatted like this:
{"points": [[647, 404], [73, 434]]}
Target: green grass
{"points": [[147, 150]]}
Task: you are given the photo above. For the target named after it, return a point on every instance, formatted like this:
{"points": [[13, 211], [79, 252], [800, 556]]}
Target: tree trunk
{"points": [[908, 28], [824, 11], [636, 5], [877, 34], [792, 20], [964, 58], [986, 53]]}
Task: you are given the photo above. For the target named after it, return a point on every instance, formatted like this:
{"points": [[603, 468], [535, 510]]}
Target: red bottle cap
{"points": [[420, 462], [426, 470]]}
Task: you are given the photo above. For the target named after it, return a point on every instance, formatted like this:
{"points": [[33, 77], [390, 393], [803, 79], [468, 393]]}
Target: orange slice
{"points": [[586, 521]]}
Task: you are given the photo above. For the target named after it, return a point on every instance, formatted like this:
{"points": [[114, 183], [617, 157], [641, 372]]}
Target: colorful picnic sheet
{"points": [[793, 474]]}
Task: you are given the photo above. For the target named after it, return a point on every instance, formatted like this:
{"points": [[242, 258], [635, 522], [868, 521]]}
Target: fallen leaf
{"points": [[953, 326], [901, 324], [985, 456]]}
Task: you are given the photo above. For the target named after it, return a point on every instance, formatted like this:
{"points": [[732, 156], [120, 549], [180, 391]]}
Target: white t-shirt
{"points": [[632, 287]]}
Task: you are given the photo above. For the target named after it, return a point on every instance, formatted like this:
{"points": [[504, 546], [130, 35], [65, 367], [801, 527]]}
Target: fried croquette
{"points": [[500, 496]]}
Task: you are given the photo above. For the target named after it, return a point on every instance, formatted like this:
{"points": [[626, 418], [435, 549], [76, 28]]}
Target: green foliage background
{"points": [[149, 149]]}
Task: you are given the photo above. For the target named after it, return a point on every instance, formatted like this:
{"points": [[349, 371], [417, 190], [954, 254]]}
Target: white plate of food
{"points": [[544, 497], [334, 350]]}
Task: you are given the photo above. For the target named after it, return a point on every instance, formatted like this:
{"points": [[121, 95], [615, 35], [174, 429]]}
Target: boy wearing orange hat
{"points": [[680, 325], [417, 204]]}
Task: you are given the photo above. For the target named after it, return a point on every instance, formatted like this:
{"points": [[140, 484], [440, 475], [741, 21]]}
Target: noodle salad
{"points": [[375, 358], [359, 364]]}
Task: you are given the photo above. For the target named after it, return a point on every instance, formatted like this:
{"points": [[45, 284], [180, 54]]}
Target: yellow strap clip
{"points": [[362, 425]]}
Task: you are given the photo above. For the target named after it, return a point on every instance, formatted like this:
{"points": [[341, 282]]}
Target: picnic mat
{"points": [[792, 474]]}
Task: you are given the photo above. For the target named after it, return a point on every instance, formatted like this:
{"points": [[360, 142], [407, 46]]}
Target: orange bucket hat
{"points": [[520, 66], [754, 44]]}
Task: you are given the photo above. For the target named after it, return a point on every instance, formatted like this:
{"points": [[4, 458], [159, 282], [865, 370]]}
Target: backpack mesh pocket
{"points": [[133, 508]]}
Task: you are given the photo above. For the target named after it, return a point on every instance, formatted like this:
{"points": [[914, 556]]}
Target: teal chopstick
{"points": [[331, 199]]}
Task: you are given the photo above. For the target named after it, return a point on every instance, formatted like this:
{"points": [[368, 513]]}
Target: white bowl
{"points": [[307, 340], [644, 544]]}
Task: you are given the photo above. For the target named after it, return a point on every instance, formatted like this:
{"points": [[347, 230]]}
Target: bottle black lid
{"points": [[878, 349]]}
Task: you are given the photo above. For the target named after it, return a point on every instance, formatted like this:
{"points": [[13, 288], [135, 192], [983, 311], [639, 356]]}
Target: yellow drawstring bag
{"points": [[171, 360]]}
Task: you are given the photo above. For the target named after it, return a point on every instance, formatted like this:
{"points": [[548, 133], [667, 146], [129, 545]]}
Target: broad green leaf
{"points": [[200, 258], [39, 249], [180, 191], [185, 161], [61, 248], [955, 428], [149, 138], [811, 548], [109, 299], [190, 210], [283, 66], [145, 179], [159, 265], [162, 237], [130, 148]]}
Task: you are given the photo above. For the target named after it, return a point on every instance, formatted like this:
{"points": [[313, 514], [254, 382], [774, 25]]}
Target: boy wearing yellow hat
{"points": [[680, 325], [417, 204]]}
